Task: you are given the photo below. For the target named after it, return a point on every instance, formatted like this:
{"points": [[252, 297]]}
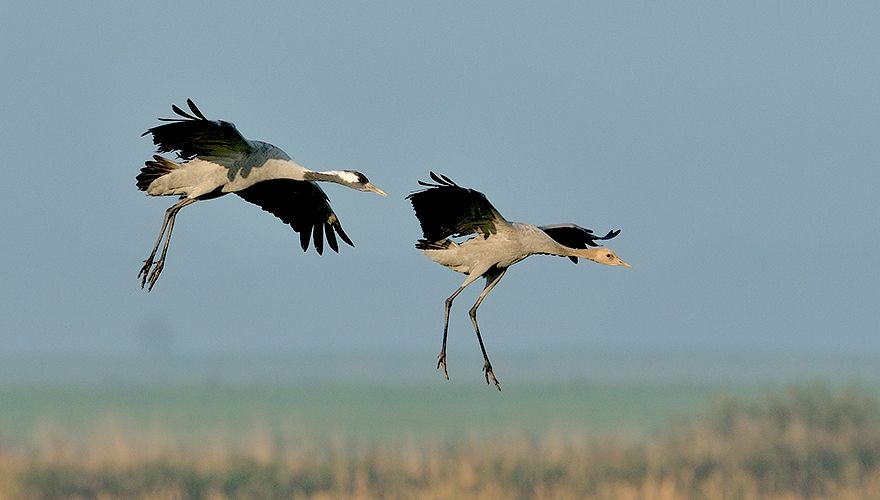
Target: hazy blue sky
{"points": [[735, 145]]}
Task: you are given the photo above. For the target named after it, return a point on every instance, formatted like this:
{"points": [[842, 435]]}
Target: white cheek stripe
{"points": [[347, 176]]}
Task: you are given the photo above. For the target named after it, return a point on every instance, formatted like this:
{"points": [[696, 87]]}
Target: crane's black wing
{"points": [[301, 204], [574, 236], [194, 135], [446, 209]]}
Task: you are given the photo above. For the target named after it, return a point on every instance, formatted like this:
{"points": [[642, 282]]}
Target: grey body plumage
{"points": [[214, 159], [446, 210]]}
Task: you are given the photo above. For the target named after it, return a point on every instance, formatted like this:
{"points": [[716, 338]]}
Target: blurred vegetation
{"points": [[802, 442]]}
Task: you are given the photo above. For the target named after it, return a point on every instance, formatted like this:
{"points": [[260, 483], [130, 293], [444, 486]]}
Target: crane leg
{"points": [[441, 361], [167, 223], [491, 281]]}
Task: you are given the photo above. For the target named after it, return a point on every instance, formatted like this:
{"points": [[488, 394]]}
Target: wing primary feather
{"points": [[436, 179], [301, 205], [574, 236], [179, 112], [611, 234], [304, 237], [439, 181], [195, 109], [331, 237], [448, 180], [318, 235], [447, 209], [342, 234]]}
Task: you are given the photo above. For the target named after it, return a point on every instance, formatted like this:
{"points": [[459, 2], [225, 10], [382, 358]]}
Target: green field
{"points": [[192, 414]]}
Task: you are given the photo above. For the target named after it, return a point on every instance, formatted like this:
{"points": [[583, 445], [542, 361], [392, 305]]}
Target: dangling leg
{"points": [[148, 263], [441, 361], [168, 223], [492, 279]]}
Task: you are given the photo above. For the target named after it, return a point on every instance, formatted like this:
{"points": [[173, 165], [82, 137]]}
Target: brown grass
{"points": [[806, 442]]}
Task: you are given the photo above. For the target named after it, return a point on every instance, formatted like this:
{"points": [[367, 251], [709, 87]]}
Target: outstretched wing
{"points": [[194, 135], [446, 209], [574, 236], [302, 205]]}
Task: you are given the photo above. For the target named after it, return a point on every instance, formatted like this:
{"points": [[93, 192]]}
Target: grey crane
{"points": [[215, 159], [446, 210]]}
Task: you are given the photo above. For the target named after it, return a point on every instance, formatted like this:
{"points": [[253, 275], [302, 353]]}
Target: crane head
{"points": [[359, 181], [608, 257]]}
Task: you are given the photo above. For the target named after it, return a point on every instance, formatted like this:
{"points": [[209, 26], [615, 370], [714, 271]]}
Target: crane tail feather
{"points": [[424, 244], [152, 170]]}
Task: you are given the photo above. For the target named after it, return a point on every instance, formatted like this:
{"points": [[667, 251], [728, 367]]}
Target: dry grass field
{"points": [[801, 442]]}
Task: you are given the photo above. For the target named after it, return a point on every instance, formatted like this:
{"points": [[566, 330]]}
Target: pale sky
{"points": [[735, 145]]}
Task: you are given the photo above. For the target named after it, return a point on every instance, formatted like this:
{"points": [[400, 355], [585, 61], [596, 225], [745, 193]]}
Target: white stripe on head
{"points": [[347, 176]]}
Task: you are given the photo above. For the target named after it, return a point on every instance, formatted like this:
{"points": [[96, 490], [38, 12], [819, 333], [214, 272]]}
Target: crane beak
{"points": [[373, 189], [625, 264]]}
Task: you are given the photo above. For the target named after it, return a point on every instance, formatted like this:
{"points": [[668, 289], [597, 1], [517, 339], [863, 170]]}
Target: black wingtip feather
{"points": [[304, 238], [179, 112], [436, 178], [440, 179], [574, 236], [331, 237], [318, 234], [196, 111], [446, 209], [342, 235]]}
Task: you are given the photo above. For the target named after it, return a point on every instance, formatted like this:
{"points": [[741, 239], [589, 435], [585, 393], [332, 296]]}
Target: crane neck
{"points": [[329, 176], [547, 245]]}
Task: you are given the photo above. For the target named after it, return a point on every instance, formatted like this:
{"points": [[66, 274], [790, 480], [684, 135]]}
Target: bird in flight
{"points": [[446, 210], [214, 159]]}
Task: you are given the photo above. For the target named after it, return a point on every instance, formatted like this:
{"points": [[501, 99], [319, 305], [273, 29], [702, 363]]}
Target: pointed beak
{"points": [[373, 189], [624, 264]]}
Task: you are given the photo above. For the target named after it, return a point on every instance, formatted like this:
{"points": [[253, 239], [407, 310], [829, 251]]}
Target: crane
{"points": [[446, 210], [215, 159]]}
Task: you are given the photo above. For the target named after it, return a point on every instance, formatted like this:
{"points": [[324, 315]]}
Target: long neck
{"points": [[548, 245], [538, 242], [581, 253], [329, 176]]}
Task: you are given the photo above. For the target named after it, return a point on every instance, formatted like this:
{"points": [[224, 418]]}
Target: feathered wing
{"points": [[301, 204], [194, 135], [446, 209], [574, 236]]}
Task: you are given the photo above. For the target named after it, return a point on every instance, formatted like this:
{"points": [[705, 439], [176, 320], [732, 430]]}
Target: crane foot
{"points": [[490, 376], [145, 271], [154, 275], [441, 363]]}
